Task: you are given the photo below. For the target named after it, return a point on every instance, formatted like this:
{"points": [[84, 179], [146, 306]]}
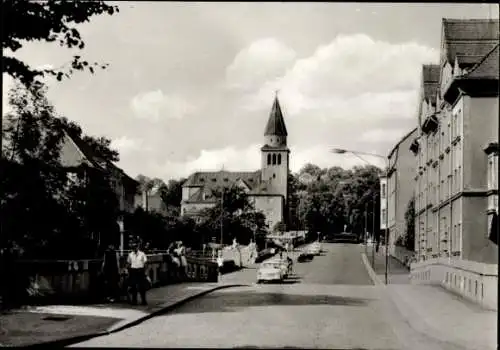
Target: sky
{"points": [[190, 85]]}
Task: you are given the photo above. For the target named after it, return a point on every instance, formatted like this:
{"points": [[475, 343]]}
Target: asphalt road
{"points": [[330, 303]]}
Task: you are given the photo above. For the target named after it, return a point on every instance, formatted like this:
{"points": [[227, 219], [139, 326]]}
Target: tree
{"points": [[50, 21], [172, 195], [56, 211], [237, 215], [100, 146], [410, 225]]}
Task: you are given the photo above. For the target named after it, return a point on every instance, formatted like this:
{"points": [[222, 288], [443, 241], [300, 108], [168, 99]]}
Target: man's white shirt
{"points": [[137, 260]]}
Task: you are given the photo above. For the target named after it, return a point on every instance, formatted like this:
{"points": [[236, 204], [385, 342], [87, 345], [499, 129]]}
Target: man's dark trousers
{"points": [[138, 283]]}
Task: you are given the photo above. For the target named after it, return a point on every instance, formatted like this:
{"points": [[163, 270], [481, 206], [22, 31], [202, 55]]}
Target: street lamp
{"points": [[386, 160]]}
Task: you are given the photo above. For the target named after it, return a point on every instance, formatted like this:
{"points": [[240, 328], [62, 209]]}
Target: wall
{"points": [[403, 185], [383, 204], [70, 280], [476, 245], [190, 208], [480, 127], [477, 282], [272, 206]]}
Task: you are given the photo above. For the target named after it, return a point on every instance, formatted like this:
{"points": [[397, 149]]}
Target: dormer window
{"points": [[214, 179], [226, 179]]}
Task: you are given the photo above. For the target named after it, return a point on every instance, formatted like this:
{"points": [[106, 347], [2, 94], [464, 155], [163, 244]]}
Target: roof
{"points": [[221, 178], [276, 123], [487, 67], [401, 141], [94, 159], [469, 38], [430, 82]]}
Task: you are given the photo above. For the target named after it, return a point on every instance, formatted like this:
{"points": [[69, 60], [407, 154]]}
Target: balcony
{"points": [[430, 124]]}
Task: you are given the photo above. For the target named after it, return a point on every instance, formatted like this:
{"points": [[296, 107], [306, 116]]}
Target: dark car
{"points": [[304, 257]]}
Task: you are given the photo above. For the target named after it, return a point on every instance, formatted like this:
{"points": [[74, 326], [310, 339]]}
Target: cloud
{"points": [[249, 159], [261, 61], [353, 77], [155, 105], [127, 145], [383, 135]]}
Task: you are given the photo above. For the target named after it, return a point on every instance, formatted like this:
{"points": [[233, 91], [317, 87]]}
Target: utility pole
{"points": [[366, 227], [222, 213], [374, 202], [222, 218]]}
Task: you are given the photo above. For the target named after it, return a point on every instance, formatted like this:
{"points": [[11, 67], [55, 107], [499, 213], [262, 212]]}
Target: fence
{"points": [[80, 280]]}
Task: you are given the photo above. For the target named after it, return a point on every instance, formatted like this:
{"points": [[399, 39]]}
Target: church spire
{"points": [[276, 123]]}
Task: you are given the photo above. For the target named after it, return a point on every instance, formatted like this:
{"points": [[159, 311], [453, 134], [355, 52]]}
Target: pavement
{"points": [[65, 324], [330, 302], [432, 310]]}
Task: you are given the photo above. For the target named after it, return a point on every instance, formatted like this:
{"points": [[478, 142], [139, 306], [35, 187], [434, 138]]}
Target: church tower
{"points": [[275, 154]]}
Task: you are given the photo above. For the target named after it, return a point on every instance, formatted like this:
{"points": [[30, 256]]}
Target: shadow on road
{"points": [[231, 301]]}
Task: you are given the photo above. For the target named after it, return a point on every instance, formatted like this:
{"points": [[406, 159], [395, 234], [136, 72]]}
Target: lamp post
{"points": [[386, 160]]}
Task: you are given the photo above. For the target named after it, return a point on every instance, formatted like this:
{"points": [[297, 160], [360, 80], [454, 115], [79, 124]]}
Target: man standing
{"points": [[137, 261]]}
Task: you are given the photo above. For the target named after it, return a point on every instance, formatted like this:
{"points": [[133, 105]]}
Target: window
{"points": [[384, 214], [492, 172], [279, 159], [269, 159], [383, 190], [274, 159]]}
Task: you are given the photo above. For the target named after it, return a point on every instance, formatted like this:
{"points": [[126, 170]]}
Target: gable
{"points": [[70, 154]]}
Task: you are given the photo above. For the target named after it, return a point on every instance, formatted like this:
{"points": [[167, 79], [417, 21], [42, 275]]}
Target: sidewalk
{"points": [[398, 273], [434, 311], [40, 324]]}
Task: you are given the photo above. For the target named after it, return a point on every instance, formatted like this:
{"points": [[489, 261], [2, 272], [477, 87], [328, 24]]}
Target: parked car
{"points": [[284, 265], [303, 257], [314, 248], [270, 271]]}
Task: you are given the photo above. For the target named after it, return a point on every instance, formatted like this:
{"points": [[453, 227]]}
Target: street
{"points": [[329, 303]]}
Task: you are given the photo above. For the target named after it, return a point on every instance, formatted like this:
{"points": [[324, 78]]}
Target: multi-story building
{"points": [[383, 202], [457, 162], [426, 147], [455, 126], [400, 187]]}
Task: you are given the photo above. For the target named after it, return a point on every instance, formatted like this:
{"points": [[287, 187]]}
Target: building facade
{"points": [[457, 146], [400, 187], [267, 188]]}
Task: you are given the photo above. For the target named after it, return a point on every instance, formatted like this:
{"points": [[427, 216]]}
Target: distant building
{"points": [[267, 188], [151, 201], [399, 187]]}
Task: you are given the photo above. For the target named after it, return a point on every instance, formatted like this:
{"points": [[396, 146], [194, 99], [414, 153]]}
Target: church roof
{"points": [[276, 123], [214, 179]]}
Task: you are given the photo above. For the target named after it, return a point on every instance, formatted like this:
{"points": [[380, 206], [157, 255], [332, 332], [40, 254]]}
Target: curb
{"points": [[162, 309]]}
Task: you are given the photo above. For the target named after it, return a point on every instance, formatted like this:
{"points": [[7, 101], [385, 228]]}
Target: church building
{"points": [[267, 188]]}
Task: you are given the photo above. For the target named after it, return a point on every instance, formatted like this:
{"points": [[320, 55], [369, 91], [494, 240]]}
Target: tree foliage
{"points": [[49, 21], [333, 199], [410, 216], [56, 209], [235, 213]]}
